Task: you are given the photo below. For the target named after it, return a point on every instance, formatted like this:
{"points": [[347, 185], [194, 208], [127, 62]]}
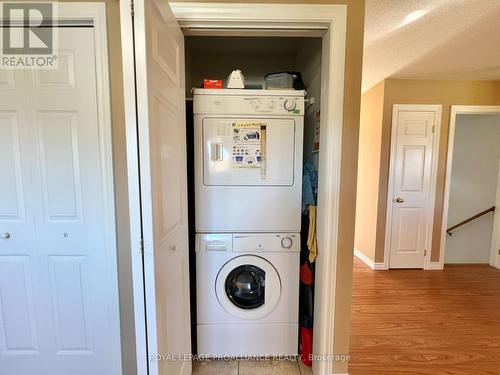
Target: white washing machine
{"points": [[248, 160], [248, 185], [247, 289]]}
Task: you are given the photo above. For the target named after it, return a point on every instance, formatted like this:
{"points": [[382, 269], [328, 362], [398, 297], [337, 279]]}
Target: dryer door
{"points": [[248, 152], [248, 287]]}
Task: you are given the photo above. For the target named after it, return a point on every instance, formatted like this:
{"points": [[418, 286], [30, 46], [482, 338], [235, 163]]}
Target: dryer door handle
{"points": [[217, 151]]}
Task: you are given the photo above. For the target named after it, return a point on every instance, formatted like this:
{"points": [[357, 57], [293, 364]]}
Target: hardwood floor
{"points": [[425, 322]]}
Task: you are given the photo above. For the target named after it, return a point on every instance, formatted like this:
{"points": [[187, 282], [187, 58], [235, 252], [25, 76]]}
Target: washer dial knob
{"points": [[255, 104], [286, 242], [290, 105]]}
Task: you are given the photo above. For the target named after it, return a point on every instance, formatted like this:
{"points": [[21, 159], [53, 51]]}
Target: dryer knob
{"points": [[290, 105], [286, 242]]}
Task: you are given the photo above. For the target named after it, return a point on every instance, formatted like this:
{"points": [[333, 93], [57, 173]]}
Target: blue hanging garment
{"points": [[309, 186]]}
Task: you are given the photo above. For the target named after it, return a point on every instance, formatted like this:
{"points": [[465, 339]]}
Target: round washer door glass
{"points": [[245, 286], [248, 287]]}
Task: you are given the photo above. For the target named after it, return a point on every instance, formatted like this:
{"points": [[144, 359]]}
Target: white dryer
{"points": [[247, 288], [248, 160]]}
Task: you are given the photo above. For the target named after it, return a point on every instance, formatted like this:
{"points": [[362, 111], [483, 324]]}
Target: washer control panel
{"points": [[272, 242]]}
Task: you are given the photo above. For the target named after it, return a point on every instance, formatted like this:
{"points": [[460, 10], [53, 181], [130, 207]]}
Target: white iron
{"points": [[236, 80]]}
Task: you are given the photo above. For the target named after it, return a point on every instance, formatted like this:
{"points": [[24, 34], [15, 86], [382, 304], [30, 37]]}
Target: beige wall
{"points": [[370, 140], [446, 93], [129, 366]]}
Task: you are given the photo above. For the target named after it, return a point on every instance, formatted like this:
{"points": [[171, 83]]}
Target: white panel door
{"points": [[21, 345], [163, 179], [56, 301], [412, 190]]}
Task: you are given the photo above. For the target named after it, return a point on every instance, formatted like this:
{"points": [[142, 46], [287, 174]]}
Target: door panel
{"points": [[411, 201], [59, 164], [61, 78], [16, 306], [68, 275], [57, 256], [11, 193], [163, 179], [408, 230], [413, 169]]}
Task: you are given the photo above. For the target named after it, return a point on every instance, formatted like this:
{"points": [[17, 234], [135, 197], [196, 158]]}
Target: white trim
{"points": [[362, 257], [495, 240], [96, 12], [298, 17], [133, 187], [460, 110], [377, 266], [437, 108], [434, 266], [380, 266]]}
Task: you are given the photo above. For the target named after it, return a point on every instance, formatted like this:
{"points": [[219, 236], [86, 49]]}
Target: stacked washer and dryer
{"points": [[248, 184]]}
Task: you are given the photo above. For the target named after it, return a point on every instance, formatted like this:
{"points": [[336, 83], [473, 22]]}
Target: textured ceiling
{"points": [[431, 39]]}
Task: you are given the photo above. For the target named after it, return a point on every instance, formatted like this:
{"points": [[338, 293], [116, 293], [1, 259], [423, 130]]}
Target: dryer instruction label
{"points": [[248, 138]]}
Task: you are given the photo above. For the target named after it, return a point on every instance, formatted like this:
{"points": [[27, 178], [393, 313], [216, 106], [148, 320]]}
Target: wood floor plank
{"points": [[425, 322]]}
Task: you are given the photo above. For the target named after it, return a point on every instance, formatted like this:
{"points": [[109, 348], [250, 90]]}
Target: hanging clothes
{"points": [[311, 238], [308, 253], [306, 297], [309, 186]]}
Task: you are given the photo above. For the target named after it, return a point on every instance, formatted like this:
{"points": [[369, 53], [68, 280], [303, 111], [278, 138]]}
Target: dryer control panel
{"points": [[269, 102]]}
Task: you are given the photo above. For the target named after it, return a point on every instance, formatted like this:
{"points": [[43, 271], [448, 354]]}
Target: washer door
{"points": [[248, 287]]}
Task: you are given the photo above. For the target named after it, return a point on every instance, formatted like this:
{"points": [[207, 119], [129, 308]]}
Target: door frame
{"points": [[437, 109], [330, 21], [454, 112], [81, 13]]}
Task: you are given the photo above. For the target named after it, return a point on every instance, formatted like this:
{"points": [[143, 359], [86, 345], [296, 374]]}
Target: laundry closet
{"points": [[243, 273], [249, 268]]}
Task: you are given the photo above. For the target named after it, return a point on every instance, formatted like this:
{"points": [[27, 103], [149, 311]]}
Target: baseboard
{"points": [[380, 267], [370, 263], [362, 257], [435, 266]]}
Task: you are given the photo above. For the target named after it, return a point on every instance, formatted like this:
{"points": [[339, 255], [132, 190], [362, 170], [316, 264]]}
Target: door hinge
{"points": [[142, 246], [132, 8], [425, 252], [433, 128]]}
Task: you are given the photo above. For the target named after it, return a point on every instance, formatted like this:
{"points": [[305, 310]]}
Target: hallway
{"points": [[425, 322]]}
